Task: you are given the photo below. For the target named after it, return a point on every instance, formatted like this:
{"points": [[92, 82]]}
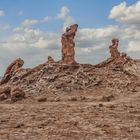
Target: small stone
{"points": [[101, 105], [19, 125], [42, 99]]}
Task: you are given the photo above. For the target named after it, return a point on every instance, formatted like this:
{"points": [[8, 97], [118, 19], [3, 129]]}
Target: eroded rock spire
{"points": [[114, 49], [68, 44], [12, 69]]}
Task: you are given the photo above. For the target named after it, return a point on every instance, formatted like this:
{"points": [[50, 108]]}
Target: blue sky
{"points": [[31, 29], [88, 13]]}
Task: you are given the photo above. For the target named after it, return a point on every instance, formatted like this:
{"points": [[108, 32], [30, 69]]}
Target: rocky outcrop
{"points": [[57, 79], [17, 94], [4, 92], [133, 67], [119, 73], [68, 44], [118, 58], [14, 67]]}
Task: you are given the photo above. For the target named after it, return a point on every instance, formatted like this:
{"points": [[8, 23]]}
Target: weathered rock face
{"points": [[67, 40], [133, 67], [17, 94], [59, 79], [118, 58], [14, 67], [114, 49], [13, 92], [4, 92]]}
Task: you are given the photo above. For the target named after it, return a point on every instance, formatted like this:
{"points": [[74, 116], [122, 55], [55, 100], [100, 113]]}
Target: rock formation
{"points": [[118, 58], [53, 77], [14, 67], [114, 49], [67, 40], [71, 101]]}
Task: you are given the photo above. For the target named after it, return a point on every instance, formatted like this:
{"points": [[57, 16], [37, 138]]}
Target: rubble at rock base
{"points": [[12, 92]]}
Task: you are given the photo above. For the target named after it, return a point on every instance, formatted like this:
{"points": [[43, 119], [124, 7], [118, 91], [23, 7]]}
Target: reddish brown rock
{"points": [[17, 94], [119, 58], [4, 92], [114, 49], [68, 44], [11, 70], [123, 59]]}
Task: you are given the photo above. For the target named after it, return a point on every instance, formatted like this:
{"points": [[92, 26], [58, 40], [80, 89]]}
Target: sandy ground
{"points": [[81, 116]]}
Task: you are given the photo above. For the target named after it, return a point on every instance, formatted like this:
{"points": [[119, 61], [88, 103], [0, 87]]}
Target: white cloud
{"points": [[64, 15], [27, 37], [129, 16], [134, 46], [2, 13], [126, 14], [63, 12], [29, 22], [118, 11], [33, 45], [92, 33]]}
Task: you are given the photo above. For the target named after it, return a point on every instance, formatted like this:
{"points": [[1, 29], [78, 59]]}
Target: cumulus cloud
{"points": [[33, 45], [126, 14], [134, 46], [92, 41], [64, 15], [34, 38], [97, 33], [129, 16], [63, 12], [29, 22], [2, 13]]}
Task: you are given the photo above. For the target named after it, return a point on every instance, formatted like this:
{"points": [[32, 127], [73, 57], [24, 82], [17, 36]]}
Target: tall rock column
{"points": [[68, 44], [114, 49]]}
